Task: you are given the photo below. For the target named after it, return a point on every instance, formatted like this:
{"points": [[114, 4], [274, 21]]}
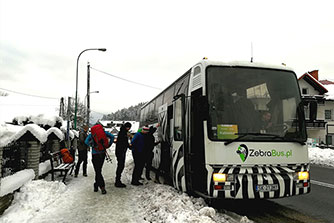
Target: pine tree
{"points": [[126, 114]]}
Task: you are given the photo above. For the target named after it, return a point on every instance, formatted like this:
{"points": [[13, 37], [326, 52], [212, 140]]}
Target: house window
{"points": [[305, 91], [328, 114]]}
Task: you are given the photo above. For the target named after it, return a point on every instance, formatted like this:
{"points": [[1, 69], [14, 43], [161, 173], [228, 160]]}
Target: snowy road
{"points": [[44, 201]]}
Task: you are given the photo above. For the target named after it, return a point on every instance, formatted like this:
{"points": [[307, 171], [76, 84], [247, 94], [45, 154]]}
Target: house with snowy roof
{"points": [[318, 99], [115, 126]]}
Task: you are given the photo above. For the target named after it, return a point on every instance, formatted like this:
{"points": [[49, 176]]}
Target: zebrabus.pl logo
{"points": [[244, 152]]}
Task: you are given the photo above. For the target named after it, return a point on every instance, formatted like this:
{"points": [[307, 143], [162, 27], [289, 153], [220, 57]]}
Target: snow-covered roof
{"points": [[330, 94], [55, 131], [313, 82], [72, 133], [117, 124], [41, 119], [10, 133]]}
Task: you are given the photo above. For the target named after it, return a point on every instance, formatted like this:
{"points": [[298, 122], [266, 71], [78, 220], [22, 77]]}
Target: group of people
{"points": [[141, 145]]}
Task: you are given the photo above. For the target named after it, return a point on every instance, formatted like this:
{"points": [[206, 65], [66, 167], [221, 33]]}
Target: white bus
{"points": [[231, 130]]}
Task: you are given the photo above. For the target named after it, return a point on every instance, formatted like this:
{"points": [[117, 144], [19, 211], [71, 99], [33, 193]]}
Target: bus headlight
{"points": [[303, 175], [223, 177], [219, 177]]}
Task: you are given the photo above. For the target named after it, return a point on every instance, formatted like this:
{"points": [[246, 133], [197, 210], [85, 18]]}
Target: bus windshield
{"points": [[259, 104]]}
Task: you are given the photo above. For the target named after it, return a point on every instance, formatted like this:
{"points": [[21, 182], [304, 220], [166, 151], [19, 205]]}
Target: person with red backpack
{"points": [[99, 140]]}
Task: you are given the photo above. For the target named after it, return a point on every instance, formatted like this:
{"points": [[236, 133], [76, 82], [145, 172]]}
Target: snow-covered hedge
{"points": [[11, 183]]}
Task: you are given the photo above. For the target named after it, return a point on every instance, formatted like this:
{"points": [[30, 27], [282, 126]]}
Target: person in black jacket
{"points": [[83, 152], [122, 145], [148, 149]]}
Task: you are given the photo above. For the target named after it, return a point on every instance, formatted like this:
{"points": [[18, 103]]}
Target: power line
{"points": [[31, 95], [145, 85]]}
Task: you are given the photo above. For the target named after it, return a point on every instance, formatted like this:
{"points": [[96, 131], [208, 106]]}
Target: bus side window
{"points": [[178, 133]]}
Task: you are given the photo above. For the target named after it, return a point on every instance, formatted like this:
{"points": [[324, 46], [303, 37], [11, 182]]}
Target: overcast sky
{"points": [[152, 42]]}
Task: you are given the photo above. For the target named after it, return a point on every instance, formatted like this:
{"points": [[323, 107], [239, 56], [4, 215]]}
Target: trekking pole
{"points": [[108, 158]]}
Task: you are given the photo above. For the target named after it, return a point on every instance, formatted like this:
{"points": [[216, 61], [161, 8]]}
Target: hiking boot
{"points": [[136, 183], [75, 175], [85, 174], [96, 188], [103, 190], [119, 184]]}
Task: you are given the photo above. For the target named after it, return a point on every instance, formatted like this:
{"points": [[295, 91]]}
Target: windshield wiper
{"points": [[241, 135]]}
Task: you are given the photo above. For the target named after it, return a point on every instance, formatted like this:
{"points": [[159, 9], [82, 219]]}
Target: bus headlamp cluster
{"points": [[222, 177], [303, 175]]}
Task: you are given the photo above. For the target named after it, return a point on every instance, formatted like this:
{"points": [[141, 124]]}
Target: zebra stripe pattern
{"points": [[178, 167], [247, 179]]}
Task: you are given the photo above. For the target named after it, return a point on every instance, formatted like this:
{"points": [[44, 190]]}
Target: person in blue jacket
{"points": [[98, 160], [137, 147]]}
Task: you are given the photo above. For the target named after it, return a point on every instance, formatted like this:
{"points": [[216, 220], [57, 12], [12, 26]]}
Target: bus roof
{"points": [[206, 62]]}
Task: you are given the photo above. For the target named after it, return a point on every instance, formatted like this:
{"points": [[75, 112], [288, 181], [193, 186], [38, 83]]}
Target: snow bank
{"points": [[15, 181], [33, 198], [163, 203], [44, 167], [321, 156]]}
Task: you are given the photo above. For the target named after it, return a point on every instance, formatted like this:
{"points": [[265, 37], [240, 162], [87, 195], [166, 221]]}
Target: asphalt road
{"points": [[320, 202], [317, 206]]}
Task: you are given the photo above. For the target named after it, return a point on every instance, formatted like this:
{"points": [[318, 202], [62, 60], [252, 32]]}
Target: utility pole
{"points": [[61, 109], [88, 89], [68, 123]]}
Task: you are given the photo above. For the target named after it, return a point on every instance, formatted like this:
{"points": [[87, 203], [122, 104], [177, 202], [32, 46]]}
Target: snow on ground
{"points": [[320, 156], [45, 201]]}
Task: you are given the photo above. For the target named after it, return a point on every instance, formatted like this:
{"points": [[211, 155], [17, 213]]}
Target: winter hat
{"points": [[127, 125], [146, 128]]}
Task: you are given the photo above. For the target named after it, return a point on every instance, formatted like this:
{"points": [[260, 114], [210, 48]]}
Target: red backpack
{"points": [[66, 156], [99, 137]]}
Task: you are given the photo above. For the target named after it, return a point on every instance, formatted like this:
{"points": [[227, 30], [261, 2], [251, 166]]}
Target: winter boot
{"points": [[95, 188], [103, 190], [136, 183], [119, 184]]}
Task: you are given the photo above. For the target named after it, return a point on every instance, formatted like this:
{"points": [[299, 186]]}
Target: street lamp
{"points": [[88, 104], [76, 86]]}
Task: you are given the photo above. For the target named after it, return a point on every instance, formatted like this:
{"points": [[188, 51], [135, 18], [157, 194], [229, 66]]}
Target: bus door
{"points": [[178, 143]]}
